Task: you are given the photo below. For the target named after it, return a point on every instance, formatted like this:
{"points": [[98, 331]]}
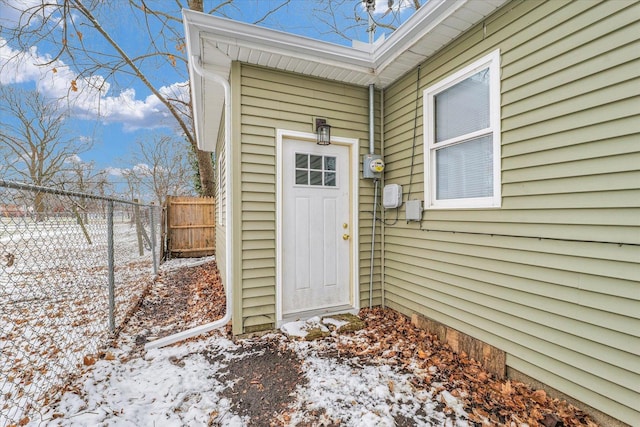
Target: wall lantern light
{"points": [[323, 132]]}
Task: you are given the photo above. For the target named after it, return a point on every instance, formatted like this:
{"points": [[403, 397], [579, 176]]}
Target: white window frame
{"points": [[218, 199], [492, 62]]}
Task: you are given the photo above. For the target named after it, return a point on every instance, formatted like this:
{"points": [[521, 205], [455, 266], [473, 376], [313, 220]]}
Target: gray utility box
{"points": [[367, 170], [413, 210]]}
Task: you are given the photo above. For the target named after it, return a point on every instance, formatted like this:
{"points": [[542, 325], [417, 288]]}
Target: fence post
{"points": [[136, 213], [111, 267], [153, 241]]}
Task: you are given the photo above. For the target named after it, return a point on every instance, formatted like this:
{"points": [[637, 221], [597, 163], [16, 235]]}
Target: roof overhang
{"points": [[216, 42]]}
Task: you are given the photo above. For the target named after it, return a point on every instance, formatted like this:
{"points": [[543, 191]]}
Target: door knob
{"points": [[345, 237]]}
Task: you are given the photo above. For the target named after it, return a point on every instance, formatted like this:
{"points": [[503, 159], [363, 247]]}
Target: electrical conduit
{"points": [[375, 193]]}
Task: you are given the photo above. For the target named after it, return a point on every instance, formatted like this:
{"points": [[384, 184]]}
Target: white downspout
{"points": [[198, 330]]}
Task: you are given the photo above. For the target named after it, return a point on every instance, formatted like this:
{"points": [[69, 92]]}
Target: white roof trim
{"points": [[366, 64], [419, 25], [428, 30]]}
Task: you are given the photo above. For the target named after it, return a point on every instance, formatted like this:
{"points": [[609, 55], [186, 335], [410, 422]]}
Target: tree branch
{"points": [[176, 114]]}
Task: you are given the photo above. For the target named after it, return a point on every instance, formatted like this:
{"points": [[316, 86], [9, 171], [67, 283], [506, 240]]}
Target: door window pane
{"points": [[316, 162], [315, 178], [329, 163], [329, 179], [302, 161], [311, 169], [302, 177]]}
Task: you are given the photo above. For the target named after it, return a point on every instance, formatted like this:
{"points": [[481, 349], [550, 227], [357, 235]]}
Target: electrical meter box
{"points": [[372, 166], [392, 196]]}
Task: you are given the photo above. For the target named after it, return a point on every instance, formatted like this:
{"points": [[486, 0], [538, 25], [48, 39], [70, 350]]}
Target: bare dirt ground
{"points": [[181, 298], [264, 384]]}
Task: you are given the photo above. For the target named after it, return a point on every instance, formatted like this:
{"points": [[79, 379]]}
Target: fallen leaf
{"points": [[540, 396], [552, 420]]}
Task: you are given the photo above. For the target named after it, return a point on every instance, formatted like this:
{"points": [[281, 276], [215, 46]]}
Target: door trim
{"points": [[353, 144]]}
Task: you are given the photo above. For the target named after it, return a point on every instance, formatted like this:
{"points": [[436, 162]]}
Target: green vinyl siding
{"points": [[221, 204], [553, 276], [271, 100]]}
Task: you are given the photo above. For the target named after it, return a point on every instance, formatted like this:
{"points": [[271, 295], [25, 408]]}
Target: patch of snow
{"points": [[335, 322], [301, 328], [178, 263], [183, 385], [172, 386], [453, 403]]}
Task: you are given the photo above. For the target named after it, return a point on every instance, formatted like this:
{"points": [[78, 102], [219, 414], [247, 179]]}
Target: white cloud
{"points": [[115, 171], [383, 7], [19, 67], [74, 159], [142, 169], [11, 11], [88, 98]]}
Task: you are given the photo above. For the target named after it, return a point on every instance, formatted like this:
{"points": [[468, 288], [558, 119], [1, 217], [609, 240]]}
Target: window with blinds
{"points": [[462, 137]]}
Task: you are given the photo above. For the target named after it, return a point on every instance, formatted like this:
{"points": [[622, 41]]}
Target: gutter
{"points": [[196, 67], [241, 34]]}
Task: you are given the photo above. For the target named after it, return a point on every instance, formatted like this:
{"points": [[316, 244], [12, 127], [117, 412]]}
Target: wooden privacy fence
{"points": [[189, 227]]}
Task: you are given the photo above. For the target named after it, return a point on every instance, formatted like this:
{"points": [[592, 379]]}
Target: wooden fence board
{"points": [[190, 226]]}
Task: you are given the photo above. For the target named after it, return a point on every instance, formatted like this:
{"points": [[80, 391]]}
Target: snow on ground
{"points": [[178, 263], [301, 328], [174, 386], [54, 301], [389, 373], [180, 386]]}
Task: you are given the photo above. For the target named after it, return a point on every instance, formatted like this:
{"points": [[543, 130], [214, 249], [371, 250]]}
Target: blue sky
{"points": [[125, 110]]}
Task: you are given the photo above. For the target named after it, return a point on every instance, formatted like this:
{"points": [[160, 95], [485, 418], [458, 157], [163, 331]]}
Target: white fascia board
{"points": [[281, 43], [372, 64], [206, 117], [413, 30], [192, 42]]}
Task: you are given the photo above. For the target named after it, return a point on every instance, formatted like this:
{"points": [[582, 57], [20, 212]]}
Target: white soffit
{"points": [[216, 42], [433, 26]]}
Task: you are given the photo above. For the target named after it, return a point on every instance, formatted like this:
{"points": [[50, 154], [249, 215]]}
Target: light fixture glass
{"points": [[323, 132]]}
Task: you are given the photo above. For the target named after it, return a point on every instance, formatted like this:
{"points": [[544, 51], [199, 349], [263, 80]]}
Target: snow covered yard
{"points": [[387, 374], [189, 385], [55, 302]]}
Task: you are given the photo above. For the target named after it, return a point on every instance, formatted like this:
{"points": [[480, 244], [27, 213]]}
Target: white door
{"points": [[316, 251]]}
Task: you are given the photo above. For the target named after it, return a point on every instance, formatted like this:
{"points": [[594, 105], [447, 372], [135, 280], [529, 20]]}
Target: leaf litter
{"points": [[388, 373]]}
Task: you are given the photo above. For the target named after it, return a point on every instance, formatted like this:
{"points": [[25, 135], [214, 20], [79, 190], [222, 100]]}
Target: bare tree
{"points": [[35, 141], [65, 23], [134, 185], [70, 24], [349, 18], [81, 176], [162, 168]]}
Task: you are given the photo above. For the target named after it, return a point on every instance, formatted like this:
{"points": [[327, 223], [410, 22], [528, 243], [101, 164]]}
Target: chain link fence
{"points": [[72, 267]]}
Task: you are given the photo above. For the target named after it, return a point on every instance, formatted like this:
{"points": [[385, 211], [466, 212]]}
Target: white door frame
{"points": [[353, 144]]}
